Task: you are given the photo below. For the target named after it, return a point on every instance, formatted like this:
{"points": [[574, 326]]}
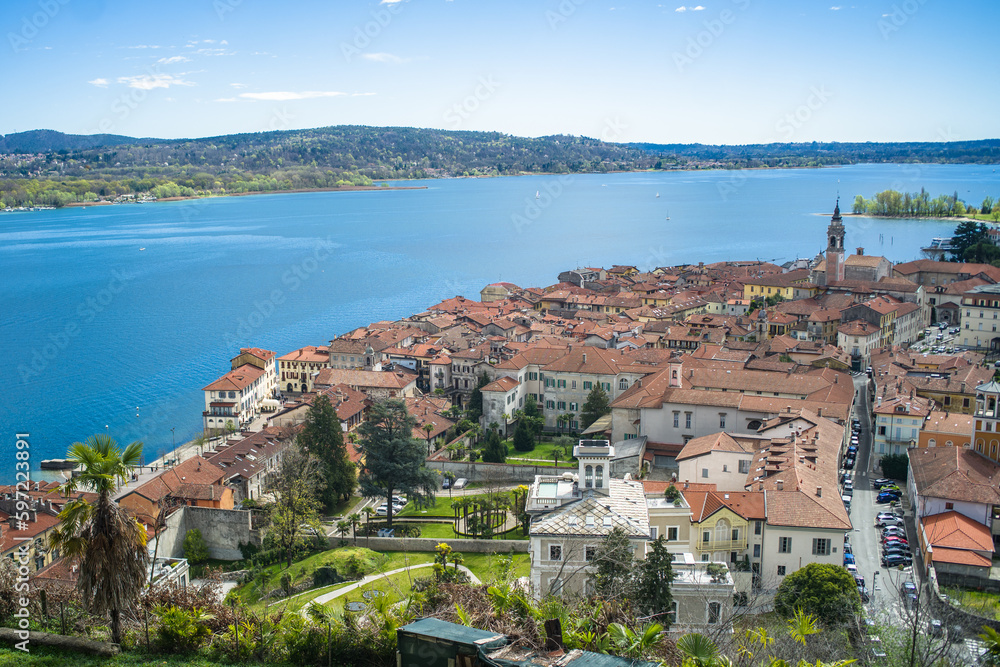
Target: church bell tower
{"points": [[835, 247]]}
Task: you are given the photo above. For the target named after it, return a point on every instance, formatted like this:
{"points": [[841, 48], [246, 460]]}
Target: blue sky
{"points": [[732, 71]]}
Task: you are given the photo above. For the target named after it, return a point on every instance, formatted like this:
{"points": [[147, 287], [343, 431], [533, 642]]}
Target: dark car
{"points": [[849, 463], [863, 591], [888, 497], [908, 587], [881, 481], [894, 560]]}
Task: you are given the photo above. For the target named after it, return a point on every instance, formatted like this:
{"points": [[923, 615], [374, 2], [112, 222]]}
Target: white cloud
{"points": [[384, 58], [389, 2], [280, 96], [697, 9], [835, 9], [144, 46], [174, 59], [238, 85], [151, 81], [215, 52], [100, 83], [226, 99], [682, 8], [224, 42]]}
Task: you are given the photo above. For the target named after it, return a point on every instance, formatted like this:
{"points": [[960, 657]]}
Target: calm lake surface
{"points": [[98, 333]]}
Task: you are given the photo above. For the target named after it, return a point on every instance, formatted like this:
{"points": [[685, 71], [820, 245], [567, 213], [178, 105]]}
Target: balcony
{"points": [[722, 545]]}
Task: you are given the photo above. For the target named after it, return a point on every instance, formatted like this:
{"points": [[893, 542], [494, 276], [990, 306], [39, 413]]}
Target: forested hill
{"points": [[986, 151], [47, 167], [50, 141]]}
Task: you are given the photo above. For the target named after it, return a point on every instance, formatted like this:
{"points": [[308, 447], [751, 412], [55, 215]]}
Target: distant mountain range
{"points": [[49, 167], [407, 143]]}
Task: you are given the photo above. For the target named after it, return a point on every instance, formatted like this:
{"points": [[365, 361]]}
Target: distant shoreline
{"points": [[350, 188]]}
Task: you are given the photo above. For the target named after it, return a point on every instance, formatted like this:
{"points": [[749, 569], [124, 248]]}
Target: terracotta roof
{"points": [[951, 423], [236, 380], [398, 378], [955, 473], [718, 442], [309, 353], [870, 261], [957, 531], [960, 557], [747, 504], [501, 384], [9, 538]]}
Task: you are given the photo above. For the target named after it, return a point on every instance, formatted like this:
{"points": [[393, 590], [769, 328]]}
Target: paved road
{"points": [[887, 603]]}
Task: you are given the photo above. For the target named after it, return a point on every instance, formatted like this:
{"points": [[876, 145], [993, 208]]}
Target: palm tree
{"points": [[368, 510], [355, 521], [428, 428], [110, 544], [343, 527], [700, 651]]}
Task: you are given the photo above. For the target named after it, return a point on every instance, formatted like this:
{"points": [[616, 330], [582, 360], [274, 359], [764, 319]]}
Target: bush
{"points": [[195, 547], [894, 466], [326, 576], [181, 630], [824, 590]]}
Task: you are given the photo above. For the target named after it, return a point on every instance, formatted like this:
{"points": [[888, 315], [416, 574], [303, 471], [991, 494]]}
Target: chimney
{"points": [[819, 412], [819, 491], [861, 251], [781, 484]]}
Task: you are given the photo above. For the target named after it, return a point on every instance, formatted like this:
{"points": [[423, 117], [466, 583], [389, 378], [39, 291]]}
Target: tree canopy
{"points": [[825, 590], [495, 450], [596, 406], [475, 409], [391, 458], [323, 438]]}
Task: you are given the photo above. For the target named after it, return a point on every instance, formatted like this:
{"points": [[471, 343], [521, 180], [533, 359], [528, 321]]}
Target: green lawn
{"points": [[344, 507], [441, 508], [982, 603], [542, 450]]}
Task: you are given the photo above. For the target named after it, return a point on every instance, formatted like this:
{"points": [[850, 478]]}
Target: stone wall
{"points": [[495, 472], [429, 544], [223, 531]]}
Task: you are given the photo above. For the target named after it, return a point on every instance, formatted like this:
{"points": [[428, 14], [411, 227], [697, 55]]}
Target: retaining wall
{"points": [[495, 472], [430, 543], [223, 531]]}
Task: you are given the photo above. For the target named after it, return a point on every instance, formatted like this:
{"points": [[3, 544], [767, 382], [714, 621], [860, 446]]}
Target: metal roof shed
{"points": [[431, 642]]}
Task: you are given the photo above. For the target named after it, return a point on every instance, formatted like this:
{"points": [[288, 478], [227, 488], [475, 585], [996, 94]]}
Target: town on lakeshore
{"points": [[731, 424]]}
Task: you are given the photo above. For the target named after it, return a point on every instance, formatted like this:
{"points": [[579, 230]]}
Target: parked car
{"points": [[894, 560], [897, 551], [849, 463], [898, 531], [880, 482], [849, 559], [863, 591], [885, 522], [936, 627], [891, 488], [887, 497], [858, 579], [955, 633], [446, 484], [461, 483], [895, 539], [848, 549], [908, 587]]}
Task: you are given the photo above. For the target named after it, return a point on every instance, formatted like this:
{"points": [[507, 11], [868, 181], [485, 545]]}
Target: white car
{"points": [[460, 483]]}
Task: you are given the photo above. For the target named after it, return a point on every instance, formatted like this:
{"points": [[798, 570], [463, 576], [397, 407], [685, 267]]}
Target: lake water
{"points": [[98, 334]]}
